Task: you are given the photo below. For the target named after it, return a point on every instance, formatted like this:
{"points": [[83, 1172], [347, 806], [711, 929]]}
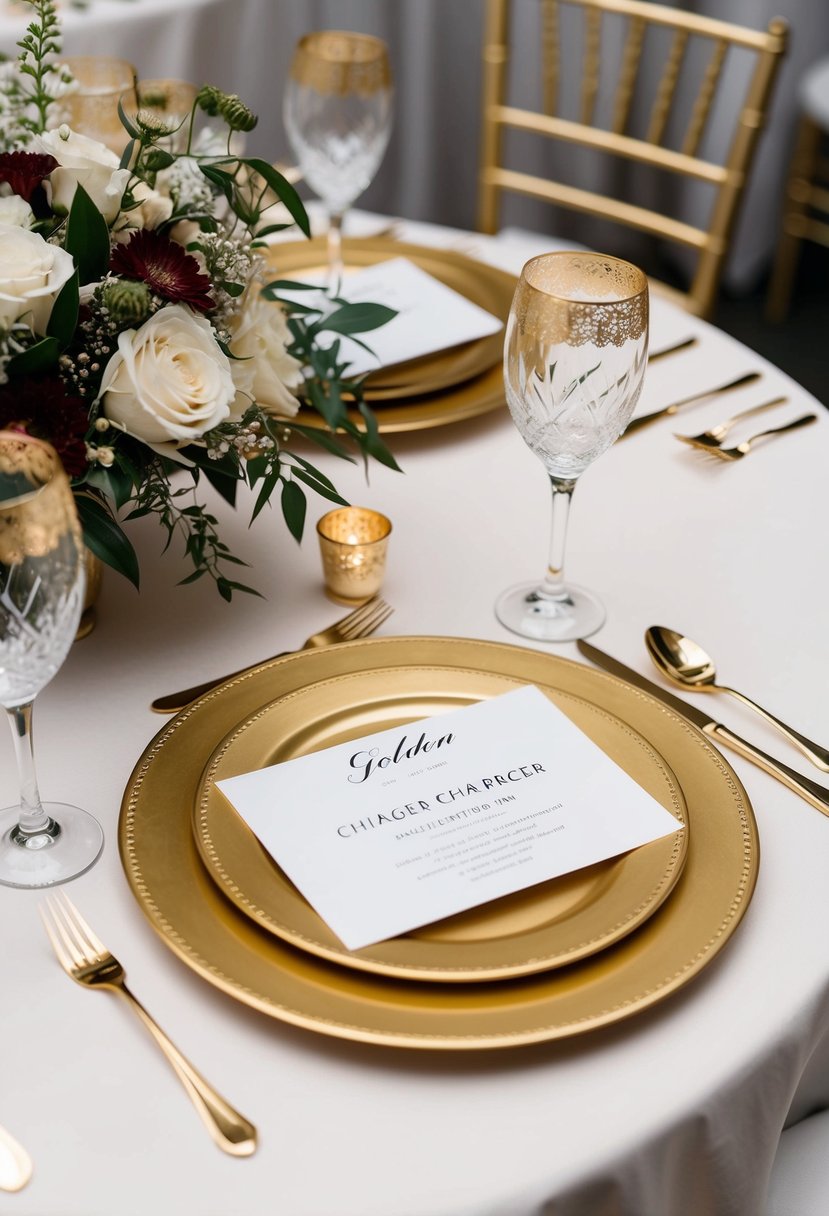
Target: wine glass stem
{"points": [[553, 587], [33, 819], [335, 249]]}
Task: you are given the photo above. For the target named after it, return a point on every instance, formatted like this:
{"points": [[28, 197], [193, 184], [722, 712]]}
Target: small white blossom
{"points": [[103, 455]]}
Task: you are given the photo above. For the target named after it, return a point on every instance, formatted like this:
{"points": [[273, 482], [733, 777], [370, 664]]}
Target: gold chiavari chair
{"points": [[669, 140], [806, 203]]}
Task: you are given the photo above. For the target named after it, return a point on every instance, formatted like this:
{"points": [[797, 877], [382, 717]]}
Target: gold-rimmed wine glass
{"points": [[575, 353], [338, 115], [42, 581]]}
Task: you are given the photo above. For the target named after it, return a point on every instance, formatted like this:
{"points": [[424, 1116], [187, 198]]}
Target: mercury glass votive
{"points": [[353, 543], [92, 109]]}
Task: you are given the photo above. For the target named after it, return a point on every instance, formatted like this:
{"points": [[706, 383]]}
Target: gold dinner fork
{"points": [[86, 959], [713, 437], [742, 449], [360, 623]]}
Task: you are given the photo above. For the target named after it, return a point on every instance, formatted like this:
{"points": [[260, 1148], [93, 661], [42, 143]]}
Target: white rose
{"points": [[32, 272], [153, 209], [263, 371], [15, 210], [85, 162], [168, 380]]}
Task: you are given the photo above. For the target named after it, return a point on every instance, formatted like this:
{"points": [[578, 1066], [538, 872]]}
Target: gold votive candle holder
{"points": [[92, 109], [353, 544]]}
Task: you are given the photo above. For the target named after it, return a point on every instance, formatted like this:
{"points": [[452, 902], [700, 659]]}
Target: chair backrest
{"points": [[696, 55]]}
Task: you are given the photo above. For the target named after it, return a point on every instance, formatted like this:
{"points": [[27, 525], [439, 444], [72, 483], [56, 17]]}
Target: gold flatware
{"points": [[687, 664], [87, 961], [713, 437], [674, 349], [360, 623], [742, 449], [816, 795], [15, 1163], [636, 424]]}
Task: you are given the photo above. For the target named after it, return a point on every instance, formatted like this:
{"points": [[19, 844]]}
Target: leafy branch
{"points": [[41, 40]]}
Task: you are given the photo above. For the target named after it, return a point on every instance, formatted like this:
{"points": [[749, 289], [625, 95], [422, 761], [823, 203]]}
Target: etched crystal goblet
{"points": [[575, 353]]}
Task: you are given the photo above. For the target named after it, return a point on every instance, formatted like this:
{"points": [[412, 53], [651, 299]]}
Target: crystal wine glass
{"points": [[574, 358], [338, 114], [42, 562]]}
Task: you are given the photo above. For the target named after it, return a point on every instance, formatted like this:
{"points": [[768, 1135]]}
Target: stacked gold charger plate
{"points": [[549, 963], [447, 386]]}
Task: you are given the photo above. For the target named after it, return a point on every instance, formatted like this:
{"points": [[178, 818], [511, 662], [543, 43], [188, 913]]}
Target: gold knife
{"points": [[15, 1163], [668, 410], [816, 795]]}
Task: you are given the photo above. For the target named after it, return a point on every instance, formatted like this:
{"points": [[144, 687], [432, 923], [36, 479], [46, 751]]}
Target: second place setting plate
{"points": [[545, 926]]}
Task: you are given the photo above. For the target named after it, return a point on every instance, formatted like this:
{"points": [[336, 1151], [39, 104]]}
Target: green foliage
{"points": [[87, 237], [104, 536], [127, 479]]}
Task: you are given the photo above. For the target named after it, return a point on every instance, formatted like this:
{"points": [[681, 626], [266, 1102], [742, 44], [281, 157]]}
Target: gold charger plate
{"points": [[205, 930], [545, 926], [447, 386]]}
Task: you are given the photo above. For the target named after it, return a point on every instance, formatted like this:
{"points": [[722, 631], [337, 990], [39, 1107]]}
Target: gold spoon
{"points": [[688, 665]]}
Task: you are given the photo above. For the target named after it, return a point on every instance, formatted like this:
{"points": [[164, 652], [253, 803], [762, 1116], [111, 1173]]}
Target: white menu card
{"points": [[430, 315], [407, 826]]}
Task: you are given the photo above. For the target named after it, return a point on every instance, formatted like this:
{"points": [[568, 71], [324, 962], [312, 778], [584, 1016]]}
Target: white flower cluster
{"points": [[187, 186]]}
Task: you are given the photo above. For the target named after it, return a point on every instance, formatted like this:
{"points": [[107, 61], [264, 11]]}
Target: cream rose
{"points": [[169, 380], [15, 210], [152, 209], [263, 371], [82, 162], [32, 272]]}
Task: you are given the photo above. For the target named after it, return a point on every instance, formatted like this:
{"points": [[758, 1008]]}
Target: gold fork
{"points": [[86, 959], [713, 437], [358, 624], [743, 449]]}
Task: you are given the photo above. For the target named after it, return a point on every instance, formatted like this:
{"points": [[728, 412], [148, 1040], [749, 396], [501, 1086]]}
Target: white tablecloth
{"points": [[674, 1112]]}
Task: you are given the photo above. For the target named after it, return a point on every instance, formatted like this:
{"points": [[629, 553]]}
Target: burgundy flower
{"points": [[24, 171], [40, 406], [165, 267]]}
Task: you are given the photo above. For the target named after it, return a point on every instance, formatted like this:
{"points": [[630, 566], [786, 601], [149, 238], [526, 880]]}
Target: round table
{"points": [[673, 1112]]}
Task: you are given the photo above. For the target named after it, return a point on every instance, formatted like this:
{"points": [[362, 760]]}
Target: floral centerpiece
{"points": [[139, 331]]}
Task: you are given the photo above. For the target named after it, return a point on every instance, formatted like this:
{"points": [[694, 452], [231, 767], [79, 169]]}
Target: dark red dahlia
{"points": [[165, 267], [40, 406], [24, 171]]}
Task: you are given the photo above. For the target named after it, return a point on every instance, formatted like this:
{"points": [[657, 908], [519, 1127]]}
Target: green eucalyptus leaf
{"points": [[127, 123], [283, 189], [373, 444], [320, 486], [293, 508], [223, 484], [105, 538], [358, 318], [87, 238], [64, 318], [38, 358]]}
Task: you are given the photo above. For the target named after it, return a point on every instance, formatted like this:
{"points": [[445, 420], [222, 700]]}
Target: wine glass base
{"points": [[531, 615], [50, 858]]}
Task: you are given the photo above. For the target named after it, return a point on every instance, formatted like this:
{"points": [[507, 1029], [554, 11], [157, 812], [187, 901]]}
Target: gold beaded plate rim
{"points": [[434, 389], [545, 926], [204, 929]]}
